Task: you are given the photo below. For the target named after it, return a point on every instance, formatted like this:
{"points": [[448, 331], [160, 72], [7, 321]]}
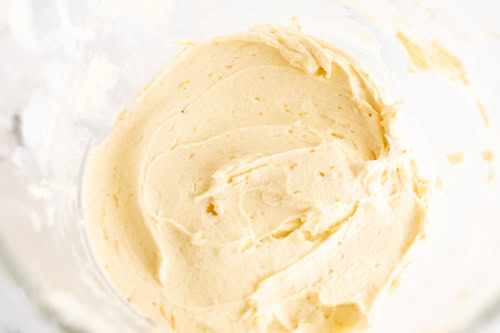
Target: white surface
{"points": [[17, 315]]}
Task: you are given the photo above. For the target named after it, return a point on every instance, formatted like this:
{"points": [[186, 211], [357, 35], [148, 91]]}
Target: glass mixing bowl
{"points": [[73, 66]]}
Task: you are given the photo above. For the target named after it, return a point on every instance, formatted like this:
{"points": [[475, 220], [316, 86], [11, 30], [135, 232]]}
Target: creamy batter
{"points": [[256, 186]]}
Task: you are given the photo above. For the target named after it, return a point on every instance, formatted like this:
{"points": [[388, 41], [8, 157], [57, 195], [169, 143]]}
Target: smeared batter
{"points": [[427, 56], [256, 186]]}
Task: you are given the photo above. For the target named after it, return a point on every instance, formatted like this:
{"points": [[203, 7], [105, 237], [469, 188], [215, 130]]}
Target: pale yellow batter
{"points": [[255, 186]]}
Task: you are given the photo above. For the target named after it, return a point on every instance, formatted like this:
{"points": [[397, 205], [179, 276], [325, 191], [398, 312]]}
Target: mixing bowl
{"points": [[69, 68]]}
